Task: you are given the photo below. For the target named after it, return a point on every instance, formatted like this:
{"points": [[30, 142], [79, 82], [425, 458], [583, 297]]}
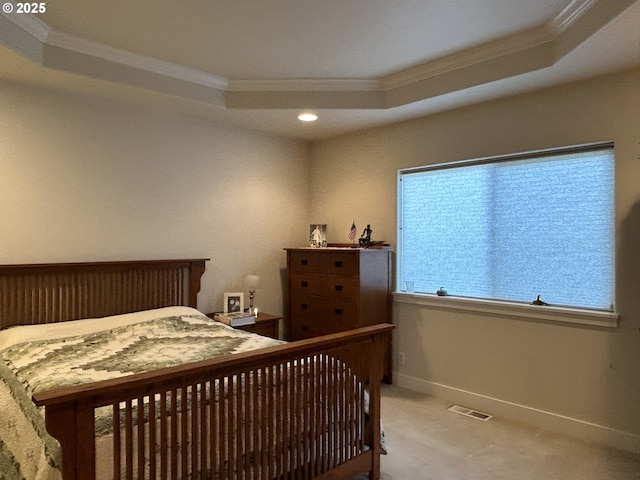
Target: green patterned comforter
{"points": [[37, 360]]}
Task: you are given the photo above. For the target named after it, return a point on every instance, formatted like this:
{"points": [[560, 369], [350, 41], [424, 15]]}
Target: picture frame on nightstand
{"points": [[233, 302]]}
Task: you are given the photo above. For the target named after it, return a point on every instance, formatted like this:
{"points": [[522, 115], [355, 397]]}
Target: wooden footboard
{"points": [[308, 409]]}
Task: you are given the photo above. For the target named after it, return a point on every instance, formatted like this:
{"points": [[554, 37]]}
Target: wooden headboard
{"points": [[56, 292]]}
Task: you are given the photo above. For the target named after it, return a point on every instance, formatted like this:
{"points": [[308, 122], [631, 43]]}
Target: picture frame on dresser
{"points": [[233, 302], [317, 235]]}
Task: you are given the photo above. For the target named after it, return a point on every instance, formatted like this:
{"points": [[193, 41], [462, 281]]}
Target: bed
{"points": [[307, 409]]}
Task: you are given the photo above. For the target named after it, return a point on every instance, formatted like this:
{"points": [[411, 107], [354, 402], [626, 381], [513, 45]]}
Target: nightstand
{"points": [[266, 324]]}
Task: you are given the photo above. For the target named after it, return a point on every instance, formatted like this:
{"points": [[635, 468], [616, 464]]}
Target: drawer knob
{"points": [[304, 306], [338, 311], [338, 263], [304, 328], [338, 288], [304, 284], [304, 262]]}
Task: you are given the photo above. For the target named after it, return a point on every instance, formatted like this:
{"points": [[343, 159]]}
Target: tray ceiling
{"points": [[357, 64]]}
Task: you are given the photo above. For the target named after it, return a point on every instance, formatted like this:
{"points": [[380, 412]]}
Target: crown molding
{"points": [[535, 48], [306, 85], [136, 60], [569, 14], [513, 44], [30, 24], [38, 29], [519, 42]]}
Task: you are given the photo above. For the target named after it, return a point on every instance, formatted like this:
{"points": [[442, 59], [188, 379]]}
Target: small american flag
{"points": [[352, 231]]}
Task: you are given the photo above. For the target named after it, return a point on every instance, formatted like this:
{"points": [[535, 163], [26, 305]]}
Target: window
{"points": [[512, 228]]}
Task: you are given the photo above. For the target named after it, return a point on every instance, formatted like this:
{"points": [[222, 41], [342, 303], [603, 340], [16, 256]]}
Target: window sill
{"points": [[535, 312]]}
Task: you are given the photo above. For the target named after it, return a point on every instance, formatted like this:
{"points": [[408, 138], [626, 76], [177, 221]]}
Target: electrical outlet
{"points": [[401, 359]]}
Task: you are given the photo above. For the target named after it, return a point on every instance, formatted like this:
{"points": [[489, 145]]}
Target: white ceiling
{"points": [[357, 63]]}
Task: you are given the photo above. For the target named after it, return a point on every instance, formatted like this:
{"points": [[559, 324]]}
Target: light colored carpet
{"points": [[427, 442]]}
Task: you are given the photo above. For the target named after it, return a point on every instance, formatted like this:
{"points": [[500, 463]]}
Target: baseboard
{"points": [[538, 418]]}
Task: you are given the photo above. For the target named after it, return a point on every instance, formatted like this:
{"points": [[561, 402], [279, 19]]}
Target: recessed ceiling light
{"points": [[307, 117]]}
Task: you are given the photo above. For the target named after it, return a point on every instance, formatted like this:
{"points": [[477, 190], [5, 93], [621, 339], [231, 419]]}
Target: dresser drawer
{"points": [[339, 263], [324, 285], [306, 284], [338, 286], [325, 308], [308, 327], [304, 261], [339, 311], [306, 305]]}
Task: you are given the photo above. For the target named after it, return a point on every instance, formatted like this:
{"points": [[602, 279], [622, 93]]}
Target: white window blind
{"points": [[512, 228]]}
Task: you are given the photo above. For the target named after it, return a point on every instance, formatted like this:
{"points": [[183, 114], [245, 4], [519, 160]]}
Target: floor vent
{"points": [[469, 413]]}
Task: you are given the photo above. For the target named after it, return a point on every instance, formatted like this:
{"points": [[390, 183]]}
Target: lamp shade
{"points": [[252, 281]]}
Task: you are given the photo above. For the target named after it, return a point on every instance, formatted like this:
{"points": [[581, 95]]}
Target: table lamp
{"points": [[251, 282]]}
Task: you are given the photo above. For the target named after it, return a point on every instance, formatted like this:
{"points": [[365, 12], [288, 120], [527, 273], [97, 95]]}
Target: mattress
{"points": [[42, 357]]}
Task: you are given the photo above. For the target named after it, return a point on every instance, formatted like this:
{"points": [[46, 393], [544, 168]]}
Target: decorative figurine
{"points": [[365, 238], [316, 236], [539, 301]]}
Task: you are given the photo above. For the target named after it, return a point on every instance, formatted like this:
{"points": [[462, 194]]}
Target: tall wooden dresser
{"points": [[336, 289]]}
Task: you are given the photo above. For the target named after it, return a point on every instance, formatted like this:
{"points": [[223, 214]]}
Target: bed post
{"points": [[379, 349], [196, 269], [73, 425]]}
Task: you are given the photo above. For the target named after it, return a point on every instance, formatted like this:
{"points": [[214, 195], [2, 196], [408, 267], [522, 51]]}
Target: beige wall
{"points": [[531, 370], [87, 178], [91, 178]]}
